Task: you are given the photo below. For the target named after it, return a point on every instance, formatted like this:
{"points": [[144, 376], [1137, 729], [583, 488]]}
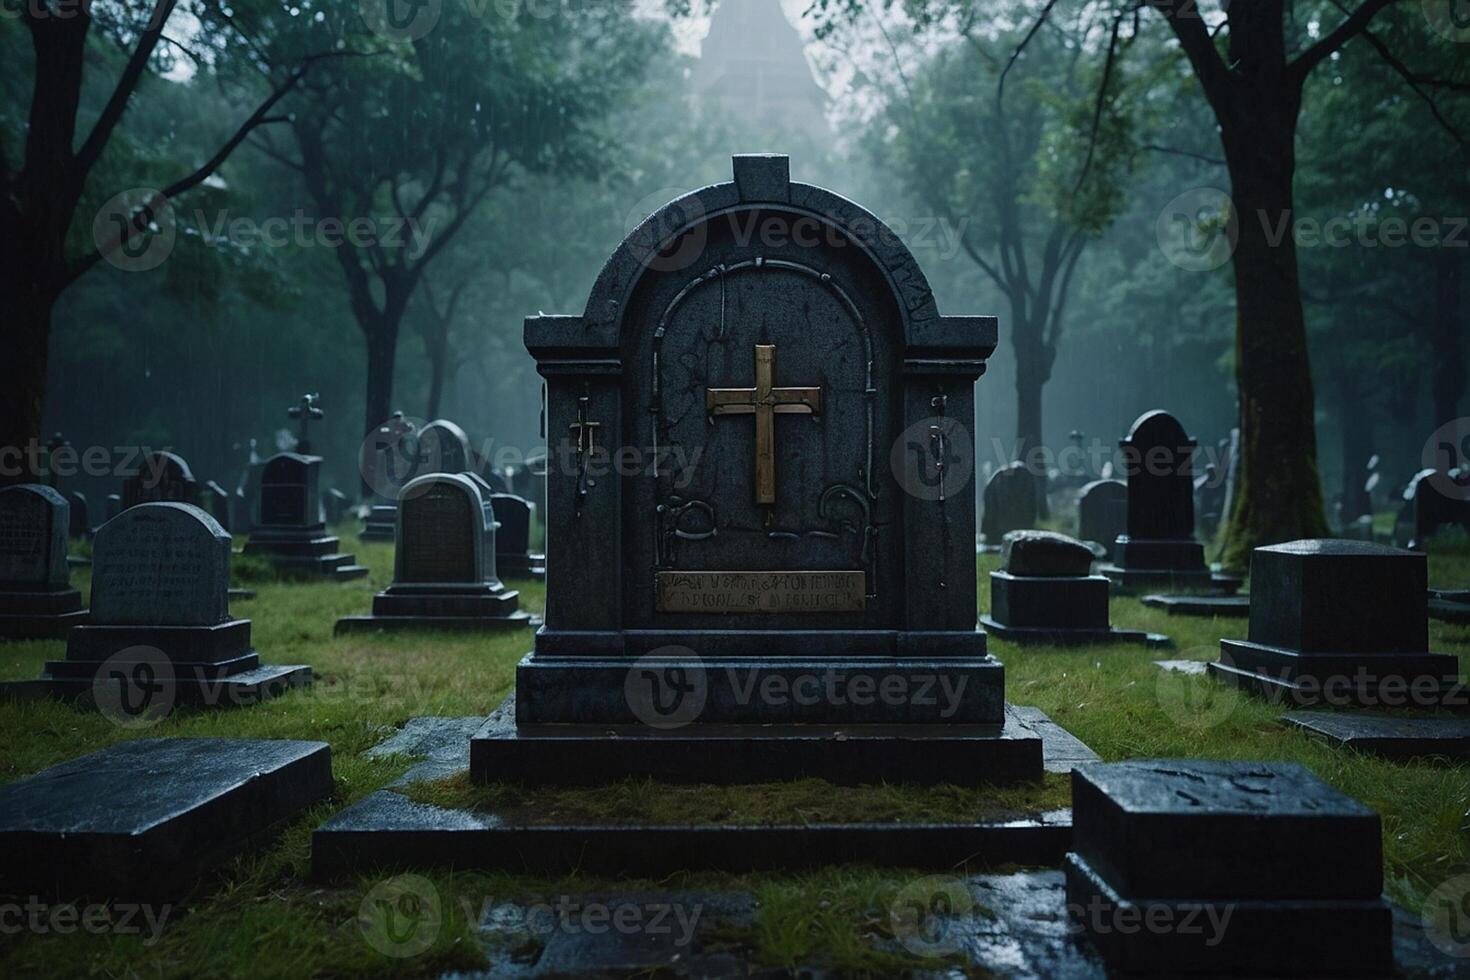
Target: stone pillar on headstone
{"points": [[304, 413], [290, 531], [160, 631], [444, 564], [37, 600]]}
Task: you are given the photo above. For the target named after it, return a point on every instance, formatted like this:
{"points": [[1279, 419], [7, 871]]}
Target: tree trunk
{"points": [[382, 357], [23, 377], [438, 370], [1031, 372], [1279, 491], [1355, 437], [1448, 382]]}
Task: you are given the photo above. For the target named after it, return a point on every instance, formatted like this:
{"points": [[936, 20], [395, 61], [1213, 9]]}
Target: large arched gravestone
{"points": [[760, 468]]}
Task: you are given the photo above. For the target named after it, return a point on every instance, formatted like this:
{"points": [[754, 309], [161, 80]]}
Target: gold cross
{"points": [[764, 402]]}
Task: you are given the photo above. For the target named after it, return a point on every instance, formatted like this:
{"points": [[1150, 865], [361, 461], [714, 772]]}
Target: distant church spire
{"points": [[753, 64]]}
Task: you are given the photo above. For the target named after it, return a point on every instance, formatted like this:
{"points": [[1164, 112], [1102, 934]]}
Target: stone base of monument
{"points": [[307, 551], [381, 523], [1388, 736], [1229, 606], [1175, 565], [1369, 680], [1250, 869], [1450, 606], [1061, 610], [205, 666], [40, 615], [530, 565], [147, 819], [462, 608]]}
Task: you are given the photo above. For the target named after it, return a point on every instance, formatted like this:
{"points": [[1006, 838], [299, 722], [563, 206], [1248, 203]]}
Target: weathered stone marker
{"points": [[290, 530], [443, 447], [1231, 868], [161, 476], [513, 555], [1339, 622], [1009, 503], [1045, 592], [1102, 513], [767, 547], [1159, 548], [160, 631], [444, 564], [37, 600]]}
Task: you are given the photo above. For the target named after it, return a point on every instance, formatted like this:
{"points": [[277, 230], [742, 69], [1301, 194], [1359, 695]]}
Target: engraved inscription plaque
{"points": [[438, 536], [760, 592]]}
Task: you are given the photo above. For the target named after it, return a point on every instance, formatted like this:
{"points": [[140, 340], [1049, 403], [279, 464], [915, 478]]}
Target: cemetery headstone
{"points": [[1209, 500], [443, 447], [389, 460], [290, 531], [37, 600], [217, 502], [1339, 623], [1102, 512], [161, 476], [114, 506], [1158, 547], [335, 505], [1009, 504], [304, 413], [513, 556], [160, 631], [1428, 507], [246, 490], [1258, 855], [777, 534], [1045, 592], [80, 525], [147, 819], [444, 564]]}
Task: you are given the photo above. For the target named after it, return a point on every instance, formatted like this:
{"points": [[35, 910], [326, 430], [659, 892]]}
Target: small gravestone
{"points": [[36, 597], [335, 505], [245, 492], [290, 531], [444, 564], [161, 476], [148, 819], [1009, 504], [160, 631], [1434, 500], [305, 412], [1045, 593], [443, 447], [1339, 623], [1102, 513], [513, 556], [79, 524], [216, 500], [1158, 546], [1231, 868], [389, 459]]}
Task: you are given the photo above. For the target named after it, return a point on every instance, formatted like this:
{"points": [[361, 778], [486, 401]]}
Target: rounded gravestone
{"points": [[1159, 461], [441, 531], [33, 524], [443, 447], [1010, 502], [1044, 553], [161, 564]]}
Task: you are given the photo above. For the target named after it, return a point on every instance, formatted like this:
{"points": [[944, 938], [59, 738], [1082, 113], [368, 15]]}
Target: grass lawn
{"points": [[264, 917]]}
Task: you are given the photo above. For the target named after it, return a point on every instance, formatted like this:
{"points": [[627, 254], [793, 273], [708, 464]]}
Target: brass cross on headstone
{"points": [[764, 402]]}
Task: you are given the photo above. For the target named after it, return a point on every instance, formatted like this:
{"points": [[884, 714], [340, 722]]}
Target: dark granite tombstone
{"points": [[160, 631], [513, 556], [1230, 868], [1430, 503], [217, 502], [444, 564], [147, 819], [1158, 547], [161, 476], [1102, 512], [1339, 622], [773, 545], [36, 597], [114, 506], [1045, 593], [289, 530], [335, 505], [443, 447], [1009, 504], [79, 524], [388, 460]]}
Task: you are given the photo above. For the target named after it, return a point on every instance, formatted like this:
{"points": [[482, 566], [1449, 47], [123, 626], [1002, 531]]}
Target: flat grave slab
{"points": [[1393, 737], [1233, 606], [1183, 666], [148, 818]]}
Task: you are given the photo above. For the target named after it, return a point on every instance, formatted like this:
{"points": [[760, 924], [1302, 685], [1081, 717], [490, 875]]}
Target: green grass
{"points": [[264, 916]]}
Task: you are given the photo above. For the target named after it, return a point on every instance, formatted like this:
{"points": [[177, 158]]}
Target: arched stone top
{"points": [[162, 563], [172, 463], [1158, 428], [292, 463], [761, 182]]}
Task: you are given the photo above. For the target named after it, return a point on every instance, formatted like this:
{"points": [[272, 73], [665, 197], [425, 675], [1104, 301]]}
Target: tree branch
{"points": [[117, 103], [1184, 19], [1354, 24]]}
